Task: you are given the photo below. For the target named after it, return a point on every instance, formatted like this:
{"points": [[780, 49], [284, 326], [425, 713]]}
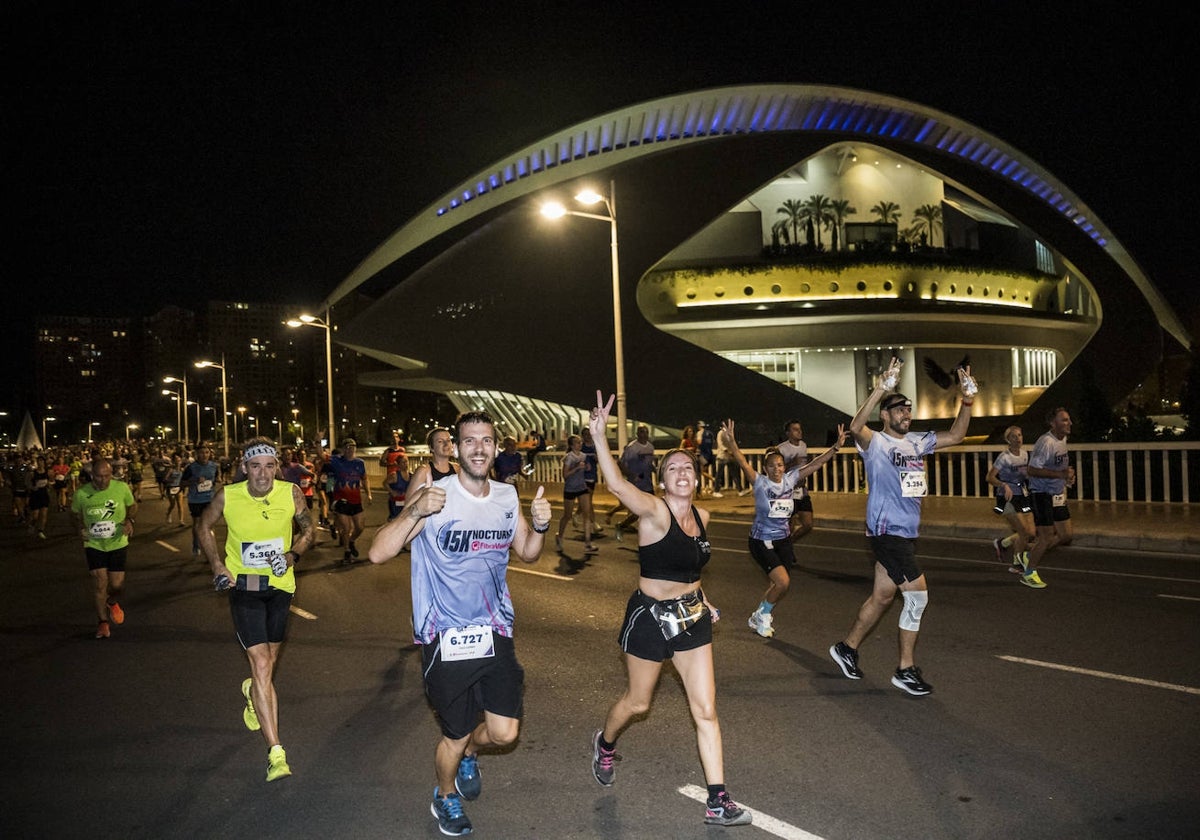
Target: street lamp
{"points": [[46, 420], [224, 400], [183, 381], [198, 423], [279, 426], [245, 429], [557, 211], [296, 422], [128, 428], [93, 423], [180, 407], [313, 321], [213, 409], [254, 420]]}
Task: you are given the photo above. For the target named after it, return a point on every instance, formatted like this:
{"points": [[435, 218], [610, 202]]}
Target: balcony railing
{"points": [[1104, 472]]}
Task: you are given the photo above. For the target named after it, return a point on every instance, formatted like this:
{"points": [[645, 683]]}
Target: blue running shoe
{"points": [[467, 782], [449, 813]]}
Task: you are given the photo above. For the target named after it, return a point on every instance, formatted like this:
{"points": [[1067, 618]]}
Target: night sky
{"points": [[179, 152]]}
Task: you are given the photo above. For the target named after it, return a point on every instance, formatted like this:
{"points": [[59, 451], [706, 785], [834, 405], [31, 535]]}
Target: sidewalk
{"points": [[1131, 526]]}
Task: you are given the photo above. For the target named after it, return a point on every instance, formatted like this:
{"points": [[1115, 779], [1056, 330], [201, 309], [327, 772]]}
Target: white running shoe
{"points": [[760, 622]]}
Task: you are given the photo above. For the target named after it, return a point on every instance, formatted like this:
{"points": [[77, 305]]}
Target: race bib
{"points": [[474, 642], [912, 483], [103, 530], [204, 485], [257, 555], [780, 509], [1060, 499]]}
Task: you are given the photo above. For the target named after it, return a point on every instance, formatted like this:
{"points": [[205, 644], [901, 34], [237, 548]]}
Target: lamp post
{"points": [[557, 211], [296, 422], [198, 423], [180, 407], [279, 427], [93, 423], [254, 420], [128, 428], [46, 420], [313, 321], [224, 400], [183, 381], [245, 429], [213, 409]]}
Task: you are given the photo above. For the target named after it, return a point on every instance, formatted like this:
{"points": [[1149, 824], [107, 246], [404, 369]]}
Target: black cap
{"points": [[896, 400]]}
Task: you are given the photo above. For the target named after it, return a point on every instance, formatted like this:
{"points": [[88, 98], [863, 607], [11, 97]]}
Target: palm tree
{"points": [[779, 233], [794, 211], [928, 218], [818, 207], [840, 208], [888, 212]]}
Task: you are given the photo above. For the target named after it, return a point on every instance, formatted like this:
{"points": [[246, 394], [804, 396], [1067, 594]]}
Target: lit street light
{"points": [[183, 381], [180, 407], [245, 429], [224, 400], [46, 420], [557, 211], [313, 321], [128, 428], [296, 422], [278, 425], [93, 423]]}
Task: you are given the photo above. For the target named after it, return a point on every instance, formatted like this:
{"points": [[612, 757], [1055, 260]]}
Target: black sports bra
{"points": [[677, 556]]}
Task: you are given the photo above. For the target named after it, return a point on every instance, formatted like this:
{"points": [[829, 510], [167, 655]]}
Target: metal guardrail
{"points": [[1104, 472]]}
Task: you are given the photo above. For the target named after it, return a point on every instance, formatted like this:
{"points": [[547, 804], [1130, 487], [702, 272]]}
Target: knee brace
{"points": [[914, 605]]}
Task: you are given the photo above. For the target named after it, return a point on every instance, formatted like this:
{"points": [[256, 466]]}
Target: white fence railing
{"points": [[1104, 472]]}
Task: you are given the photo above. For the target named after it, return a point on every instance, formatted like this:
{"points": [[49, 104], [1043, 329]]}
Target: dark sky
{"points": [[175, 152]]}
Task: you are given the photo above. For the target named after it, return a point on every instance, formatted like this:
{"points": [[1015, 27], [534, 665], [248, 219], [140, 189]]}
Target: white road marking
{"points": [[302, 613], [550, 575], [764, 821], [1179, 597], [167, 546], [1103, 674]]}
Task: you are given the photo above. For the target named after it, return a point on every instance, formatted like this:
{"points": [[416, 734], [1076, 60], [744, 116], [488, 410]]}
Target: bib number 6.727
{"points": [[461, 643]]}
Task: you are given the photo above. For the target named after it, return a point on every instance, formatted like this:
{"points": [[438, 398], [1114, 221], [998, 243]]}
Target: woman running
{"points": [[575, 489], [667, 617], [771, 533], [1008, 478]]}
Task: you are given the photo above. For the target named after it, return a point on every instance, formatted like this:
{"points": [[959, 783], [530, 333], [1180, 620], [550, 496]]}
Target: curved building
{"points": [[774, 245]]}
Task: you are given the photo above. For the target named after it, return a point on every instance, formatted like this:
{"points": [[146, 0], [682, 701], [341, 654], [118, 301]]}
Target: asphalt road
{"points": [[1071, 712]]}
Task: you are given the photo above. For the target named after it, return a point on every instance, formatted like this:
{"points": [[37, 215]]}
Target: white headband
{"points": [[259, 449]]}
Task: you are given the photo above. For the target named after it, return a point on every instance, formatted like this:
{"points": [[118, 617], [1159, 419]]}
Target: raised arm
{"points": [[858, 426], [731, 443], [398, 532], [826, 456], [637, 501], [958, 430]]}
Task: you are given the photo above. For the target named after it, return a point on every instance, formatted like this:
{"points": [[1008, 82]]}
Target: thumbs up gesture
{"points": [[428, 499], [539, 510]]}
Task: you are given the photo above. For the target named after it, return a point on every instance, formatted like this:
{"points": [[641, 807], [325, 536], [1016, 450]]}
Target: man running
{"points": [[461, 528], [269, 528], [1050, 474], [106, 512], [201, 481], [795, 454], [895, 466], [394, 461], [349, 482]]}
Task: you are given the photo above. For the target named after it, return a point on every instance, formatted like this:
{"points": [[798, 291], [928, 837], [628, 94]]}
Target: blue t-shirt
{"points": [[1008, 470], [896, 482], [201, 481], [773, 506]]}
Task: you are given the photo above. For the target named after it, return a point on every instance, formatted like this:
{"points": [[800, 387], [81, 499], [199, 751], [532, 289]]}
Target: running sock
{"points": [[765, 607], [1008, 541], [604, 745], [714, 791]]}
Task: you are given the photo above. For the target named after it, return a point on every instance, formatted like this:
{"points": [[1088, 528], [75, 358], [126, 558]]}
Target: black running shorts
{"points": [[641, 636], [259, 617], [461, 691], [781, 553], [897, 555], [1045, 514], [113, 560]]}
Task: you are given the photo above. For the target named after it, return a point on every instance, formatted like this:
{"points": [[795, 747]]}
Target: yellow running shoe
{"points": [[1032, 579], [248, 713], [277, 766]]}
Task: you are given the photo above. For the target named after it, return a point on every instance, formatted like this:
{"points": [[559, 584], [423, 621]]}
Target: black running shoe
{"points": [[724, 811], [603, 761], [449, 813], [909, 679], [846, 658], [353, 550]]}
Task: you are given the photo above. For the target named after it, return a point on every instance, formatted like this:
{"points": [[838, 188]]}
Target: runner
{"points": [[1050, 474], [1008, 477], [106, 511]]}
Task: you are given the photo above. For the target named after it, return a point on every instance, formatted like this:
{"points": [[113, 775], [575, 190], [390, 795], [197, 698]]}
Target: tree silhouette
{"points": [[840, 208], [820, 212], [928, 219], [794, 212], [887, 211]]}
